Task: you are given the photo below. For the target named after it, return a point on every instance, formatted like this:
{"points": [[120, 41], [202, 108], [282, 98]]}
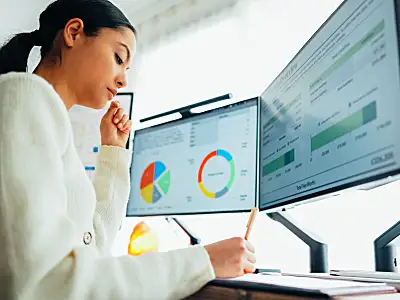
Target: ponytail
{"points": [[14, 54], [95, 14]]}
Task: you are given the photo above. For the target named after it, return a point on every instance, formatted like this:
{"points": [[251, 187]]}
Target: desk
{"points": [[210, 292]]}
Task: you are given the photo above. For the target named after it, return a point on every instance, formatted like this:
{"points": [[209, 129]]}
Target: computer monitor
{"points": [[331, 120], [86, 129], [205, 163]]}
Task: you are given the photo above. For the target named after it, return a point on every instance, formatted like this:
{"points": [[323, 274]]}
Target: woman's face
{"points": [[97, 65]]}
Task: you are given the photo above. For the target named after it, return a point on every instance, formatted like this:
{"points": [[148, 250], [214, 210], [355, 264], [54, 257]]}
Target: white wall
{"points": [[239, 53], [16, 16]]}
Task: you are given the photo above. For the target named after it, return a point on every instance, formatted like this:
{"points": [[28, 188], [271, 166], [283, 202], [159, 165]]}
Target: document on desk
{"points": [[380, 278], [366, 274], [304, 285]]}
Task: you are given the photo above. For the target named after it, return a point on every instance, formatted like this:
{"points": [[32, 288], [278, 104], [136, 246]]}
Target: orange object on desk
{"points": [[143, 239]]}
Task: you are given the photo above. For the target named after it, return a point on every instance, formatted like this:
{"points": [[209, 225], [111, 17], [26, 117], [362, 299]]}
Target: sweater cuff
{"points": [[115, 157], [203, 261]]}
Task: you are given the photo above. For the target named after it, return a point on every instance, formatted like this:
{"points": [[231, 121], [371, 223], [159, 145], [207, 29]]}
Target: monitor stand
{"points": [[194, 239], [385, 250], [318, 249]]}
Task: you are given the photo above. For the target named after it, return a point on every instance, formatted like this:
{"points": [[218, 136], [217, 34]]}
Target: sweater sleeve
{"points": [[38, 257], [112, 185]]}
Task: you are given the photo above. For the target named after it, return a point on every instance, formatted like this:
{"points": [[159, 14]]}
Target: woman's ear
{"points": [[73, 31]]}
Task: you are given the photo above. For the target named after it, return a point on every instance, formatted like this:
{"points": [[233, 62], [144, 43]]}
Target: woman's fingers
{"points": [[118, 115], [249, 262], [127, 127], [251, 258], [249, 246], [122, 123]]}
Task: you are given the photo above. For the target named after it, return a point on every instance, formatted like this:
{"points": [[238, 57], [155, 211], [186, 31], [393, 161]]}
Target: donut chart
{"points": [[228, 157], [155, 182]]}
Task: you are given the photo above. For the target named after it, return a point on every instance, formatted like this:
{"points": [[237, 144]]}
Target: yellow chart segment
{"points": [[147, 193], [205, 192]]}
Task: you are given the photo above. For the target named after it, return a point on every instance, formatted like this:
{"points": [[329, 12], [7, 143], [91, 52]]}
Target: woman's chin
{"points": [[95, 104], [101, 105]]}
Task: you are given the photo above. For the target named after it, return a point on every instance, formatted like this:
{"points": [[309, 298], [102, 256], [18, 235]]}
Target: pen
{"points": [[268, 271], [250, 223]]}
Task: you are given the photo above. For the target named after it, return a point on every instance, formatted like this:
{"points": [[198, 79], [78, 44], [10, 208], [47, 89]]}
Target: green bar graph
{"points": [[282, 111], [347, 125], [349, 54], [279, 163]]}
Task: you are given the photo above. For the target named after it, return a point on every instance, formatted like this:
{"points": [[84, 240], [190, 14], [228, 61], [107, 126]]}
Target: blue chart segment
{"points": [[159, 170], [224, 154]]}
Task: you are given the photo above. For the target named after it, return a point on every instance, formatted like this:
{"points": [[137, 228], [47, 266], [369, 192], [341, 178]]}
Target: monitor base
{"points": [[385, 250]]}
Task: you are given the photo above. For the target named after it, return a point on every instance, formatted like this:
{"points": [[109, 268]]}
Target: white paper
{"points": [[301, 282]]}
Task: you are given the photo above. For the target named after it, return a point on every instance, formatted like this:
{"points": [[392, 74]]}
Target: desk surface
{"points": [[215, 292]]}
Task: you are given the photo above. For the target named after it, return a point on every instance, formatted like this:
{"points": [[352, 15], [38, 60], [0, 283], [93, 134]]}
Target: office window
{"points": [[241, 54]]}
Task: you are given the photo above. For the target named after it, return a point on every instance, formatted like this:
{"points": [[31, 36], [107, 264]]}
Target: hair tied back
{"points": [[37, 38]]}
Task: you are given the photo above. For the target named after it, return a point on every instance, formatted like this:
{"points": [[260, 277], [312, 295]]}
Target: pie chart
{"points": [[155, 182]]}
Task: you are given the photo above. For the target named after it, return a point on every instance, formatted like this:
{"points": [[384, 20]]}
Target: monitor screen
{"points": [[330, 121], [86, 129], [202, 164]]}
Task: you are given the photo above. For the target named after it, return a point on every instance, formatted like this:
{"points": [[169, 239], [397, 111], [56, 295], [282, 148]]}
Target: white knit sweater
{"points": [[56, 226]]}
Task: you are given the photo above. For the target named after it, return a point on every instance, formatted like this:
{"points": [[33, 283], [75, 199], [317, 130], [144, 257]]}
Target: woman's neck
{"points": [[53, 75]]}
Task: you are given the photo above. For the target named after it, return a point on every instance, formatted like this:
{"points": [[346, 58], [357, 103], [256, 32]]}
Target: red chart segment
{"points": [[206, 159], [148, 176]]}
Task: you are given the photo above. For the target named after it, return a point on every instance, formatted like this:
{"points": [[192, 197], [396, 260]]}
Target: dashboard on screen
{"points": [[202, 164], [330, 121]]}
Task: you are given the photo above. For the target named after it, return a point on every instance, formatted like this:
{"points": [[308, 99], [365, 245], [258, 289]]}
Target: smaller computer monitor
{"points": [[206, 163], [86, 129]]}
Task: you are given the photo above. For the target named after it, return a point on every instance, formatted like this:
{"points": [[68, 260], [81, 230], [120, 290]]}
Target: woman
{"points": [[57, 227]]}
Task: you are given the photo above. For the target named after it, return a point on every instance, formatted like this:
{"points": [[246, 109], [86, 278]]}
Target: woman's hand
{"points": [[232, 258], [115, 126]]}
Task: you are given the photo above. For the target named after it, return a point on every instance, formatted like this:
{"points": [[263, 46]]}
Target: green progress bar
{"points": [[282, 111], [279, 163], [230, 183], [353, 50], [347, 125]]}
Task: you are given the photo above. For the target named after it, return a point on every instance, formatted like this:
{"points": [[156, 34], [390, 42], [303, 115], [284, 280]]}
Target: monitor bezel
{"points": [[130, 111], [362, 184], [255, 101]]}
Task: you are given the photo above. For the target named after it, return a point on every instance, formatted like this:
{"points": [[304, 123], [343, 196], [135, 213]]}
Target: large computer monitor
{"points": [[206, 163], [331, 120], [86, 129]]}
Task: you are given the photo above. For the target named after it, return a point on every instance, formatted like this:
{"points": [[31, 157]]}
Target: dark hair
{"points": [[95, 14]]}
